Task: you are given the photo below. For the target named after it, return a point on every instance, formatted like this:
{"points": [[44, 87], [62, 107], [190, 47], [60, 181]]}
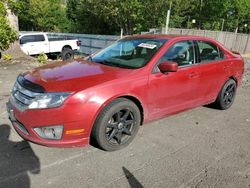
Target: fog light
{"points": [[51, 132]]}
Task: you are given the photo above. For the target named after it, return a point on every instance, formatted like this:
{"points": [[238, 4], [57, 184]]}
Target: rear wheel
{"points": [[117, 124], [67, 54], [226, 96]]}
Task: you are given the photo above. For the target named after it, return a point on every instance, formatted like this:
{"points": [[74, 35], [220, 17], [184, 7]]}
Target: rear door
{"points": [[211, 67]]}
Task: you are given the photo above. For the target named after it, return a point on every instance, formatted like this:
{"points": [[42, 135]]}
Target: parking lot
{"points": [[203, 147]]}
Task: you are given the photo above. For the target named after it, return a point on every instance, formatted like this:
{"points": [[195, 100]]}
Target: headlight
{"points": [[48, 100]]}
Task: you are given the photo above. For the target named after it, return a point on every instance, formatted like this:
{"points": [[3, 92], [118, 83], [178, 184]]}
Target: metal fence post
{"points": [[247, 43]]}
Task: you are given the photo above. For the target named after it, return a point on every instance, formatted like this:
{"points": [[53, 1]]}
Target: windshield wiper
{"points": [[104, 62]]}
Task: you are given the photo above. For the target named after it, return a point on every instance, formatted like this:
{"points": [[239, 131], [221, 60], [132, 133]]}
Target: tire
{"points": [[226, 96], [116, 125], [67, 54]]}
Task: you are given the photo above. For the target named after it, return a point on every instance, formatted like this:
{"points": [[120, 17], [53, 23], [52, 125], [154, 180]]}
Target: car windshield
{"points": [[129, 53]]}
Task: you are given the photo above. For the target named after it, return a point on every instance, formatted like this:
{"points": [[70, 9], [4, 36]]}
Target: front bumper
{"points": [[25, 122]]}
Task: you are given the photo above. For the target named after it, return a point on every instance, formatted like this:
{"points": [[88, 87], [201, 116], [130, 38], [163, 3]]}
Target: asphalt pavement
{"points": [[203, 147]]}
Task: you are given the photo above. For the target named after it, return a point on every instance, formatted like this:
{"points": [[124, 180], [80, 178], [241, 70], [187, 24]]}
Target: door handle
{"points": [[193, 75]]}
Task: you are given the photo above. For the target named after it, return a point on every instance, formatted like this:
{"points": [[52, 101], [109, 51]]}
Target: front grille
{"points": [[21, 98]]}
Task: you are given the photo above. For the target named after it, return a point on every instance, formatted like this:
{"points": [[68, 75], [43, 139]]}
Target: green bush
{"points": [[7, 57], [42, 58], [7, 34]]}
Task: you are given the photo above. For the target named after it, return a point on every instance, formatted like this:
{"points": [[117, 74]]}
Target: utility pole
{"points": [[201, 4], [222, 26], [121, 33], [168, 18]]}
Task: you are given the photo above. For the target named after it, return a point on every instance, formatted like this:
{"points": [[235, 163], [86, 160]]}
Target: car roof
{"points": [[31, 33]]}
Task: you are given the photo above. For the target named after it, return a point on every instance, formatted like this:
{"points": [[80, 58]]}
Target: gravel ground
{"points": [[202, 147]]}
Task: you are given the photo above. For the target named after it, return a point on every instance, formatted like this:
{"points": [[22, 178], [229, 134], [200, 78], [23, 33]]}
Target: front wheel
{"points": [[117, 124], [226, 96]]}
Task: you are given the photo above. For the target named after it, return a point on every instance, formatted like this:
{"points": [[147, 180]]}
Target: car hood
{"points": [[74, 76]]}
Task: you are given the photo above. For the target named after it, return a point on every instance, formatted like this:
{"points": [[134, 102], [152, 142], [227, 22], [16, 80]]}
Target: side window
{"points": [[32, 38], [209, 52], [181, 53], [39, 38], [27, 39], [221, 54]]}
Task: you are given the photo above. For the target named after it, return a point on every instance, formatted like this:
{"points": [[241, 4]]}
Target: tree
{"points": [[133, 16], [86, 17], [182, 13], [7, 34], [106, 17], [43, 15], [154, 13], [242, 14]]}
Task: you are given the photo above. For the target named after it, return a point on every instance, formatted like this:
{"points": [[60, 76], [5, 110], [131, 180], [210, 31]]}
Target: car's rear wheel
{"points": [[226, 96], [67, 54], [117, 124]]}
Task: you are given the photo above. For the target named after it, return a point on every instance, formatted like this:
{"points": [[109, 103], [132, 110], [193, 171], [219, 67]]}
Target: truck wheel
{"points": [[67, 54], [226, 96], [117, 124]]}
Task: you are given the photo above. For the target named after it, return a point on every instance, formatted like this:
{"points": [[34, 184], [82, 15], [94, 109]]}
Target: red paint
{"points": [[168, 67], [94, 85]]}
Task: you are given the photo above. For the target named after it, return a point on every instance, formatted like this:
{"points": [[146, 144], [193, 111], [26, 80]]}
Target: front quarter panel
{"points": [[90, 102]]}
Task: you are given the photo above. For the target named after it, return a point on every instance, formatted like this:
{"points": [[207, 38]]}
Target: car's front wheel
{"points": [[117, 124], [226, 96]]}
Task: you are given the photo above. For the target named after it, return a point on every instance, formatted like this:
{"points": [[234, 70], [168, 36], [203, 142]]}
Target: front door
{"points": [[34, 44], [174, 91]]}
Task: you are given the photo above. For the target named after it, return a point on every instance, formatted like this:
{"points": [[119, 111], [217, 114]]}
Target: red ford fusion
{"points": [[107, 96]]}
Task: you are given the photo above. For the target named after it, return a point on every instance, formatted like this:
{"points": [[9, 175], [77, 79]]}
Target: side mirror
{"points": [[168, 67]]}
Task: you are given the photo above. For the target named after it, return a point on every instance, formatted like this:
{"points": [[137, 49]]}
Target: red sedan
{"points": [[109, 95]]}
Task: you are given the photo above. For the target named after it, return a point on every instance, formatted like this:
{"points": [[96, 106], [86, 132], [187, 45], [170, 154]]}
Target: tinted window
{"points": [[26, 39], [181, 53], [39, 38], [209, 52], [32, 38]]}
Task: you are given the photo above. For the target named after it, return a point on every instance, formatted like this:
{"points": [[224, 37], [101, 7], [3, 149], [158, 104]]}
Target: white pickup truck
{"points": [[37, 43]]}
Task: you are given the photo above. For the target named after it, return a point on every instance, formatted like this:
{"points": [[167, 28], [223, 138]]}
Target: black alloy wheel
{"points": [[120, 127], [117, 124], [227, 95]]}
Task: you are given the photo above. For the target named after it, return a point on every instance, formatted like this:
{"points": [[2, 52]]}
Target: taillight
{"points": [[78, 43]]}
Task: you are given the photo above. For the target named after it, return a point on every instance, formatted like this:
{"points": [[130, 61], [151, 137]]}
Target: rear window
{"points": [[32, 38]]}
